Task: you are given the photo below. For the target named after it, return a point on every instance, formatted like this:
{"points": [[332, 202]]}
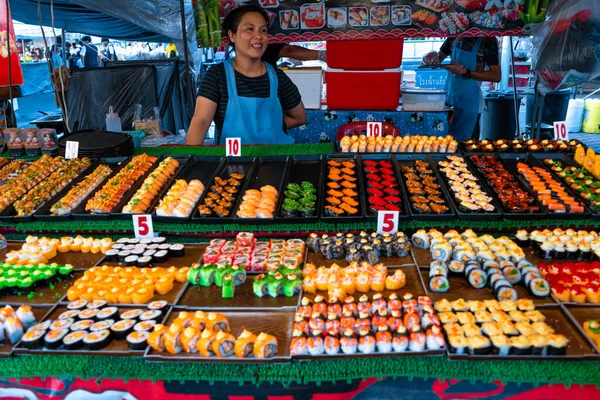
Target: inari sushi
{"points": [[265, 346], [223, 344]]}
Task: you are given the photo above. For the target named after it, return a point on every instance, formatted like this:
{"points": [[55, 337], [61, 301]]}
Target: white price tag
{"points": [[233, 147], [560, 130], [71, 150], [374, 129], [387, 221], [142, 226]]}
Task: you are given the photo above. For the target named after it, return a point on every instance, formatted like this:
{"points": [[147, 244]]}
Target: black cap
{"points": [[86, 38]]}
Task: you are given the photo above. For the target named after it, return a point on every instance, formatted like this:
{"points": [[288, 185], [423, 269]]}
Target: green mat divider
{"points": [[251, 151], [86, 367]]}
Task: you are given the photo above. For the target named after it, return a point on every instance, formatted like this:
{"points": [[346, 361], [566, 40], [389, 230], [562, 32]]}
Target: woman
{"points": [[246, 97]]}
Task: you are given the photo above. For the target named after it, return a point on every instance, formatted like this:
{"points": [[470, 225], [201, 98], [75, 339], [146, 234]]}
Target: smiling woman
{"points": [[246, 97]]}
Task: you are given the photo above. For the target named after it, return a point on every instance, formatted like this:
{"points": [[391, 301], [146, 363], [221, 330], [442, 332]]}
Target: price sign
{"points": [[71, 150], [560, 130], [387, 221], [233, 147], [142, 226], [374, 129]]}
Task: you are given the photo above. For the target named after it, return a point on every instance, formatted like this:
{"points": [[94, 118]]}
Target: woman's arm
{"points": [[203, 116], [295, 116]]}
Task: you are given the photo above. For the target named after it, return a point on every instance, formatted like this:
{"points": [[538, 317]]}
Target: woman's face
{"points": [[251, 38]]}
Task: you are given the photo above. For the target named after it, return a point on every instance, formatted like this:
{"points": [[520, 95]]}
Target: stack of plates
{"points": [[99, 144]]}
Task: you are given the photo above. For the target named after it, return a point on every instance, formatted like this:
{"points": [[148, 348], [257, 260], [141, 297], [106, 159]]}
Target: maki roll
{"points": [[439, 284], [506, 293], [441, 251], [60, 324], [160, 256], [539, 344], [69, 314], [512, 274], [144, 325], [557, 345], [434, 338], [338, 250], [238, 274], [352, 255], [265, 346], [96, 304], [111, 255], [42, 326], [107, 313], [417, 341], [291, 285], [348, 343], [331, 345], [244, 345], [97, 340], [383, 340], [539, 287], [144, 261], [313, 242], [366, 342], [520, 345], [77, 304], [369, 254], [74, 340], [501, 345], [122, 328], [457, 344], [420, 239], [33, 339], [477, 278], [101, 325], [400, 339], [137, 340], [176, 250], [228, 287], [456, 267], [150, 315], [53, 339], [132, 314], [206, 276], [81, 325], [259, 286], [479, 345], [316, 345]]}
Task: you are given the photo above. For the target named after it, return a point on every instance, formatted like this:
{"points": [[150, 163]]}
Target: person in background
{"points": [[106, 52], [56, 55], [275, 51], [246, 97], [89, 53], [474, 60]]}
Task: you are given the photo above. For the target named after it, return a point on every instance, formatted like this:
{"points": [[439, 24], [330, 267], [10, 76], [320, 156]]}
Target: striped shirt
{"points": [[214, 87]]}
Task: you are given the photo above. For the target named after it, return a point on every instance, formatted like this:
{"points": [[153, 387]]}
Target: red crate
{"points": [[363, 90], [365, 54]]}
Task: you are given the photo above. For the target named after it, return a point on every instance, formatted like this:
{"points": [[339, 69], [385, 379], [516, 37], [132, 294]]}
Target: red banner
{"points": [[8, 45]]}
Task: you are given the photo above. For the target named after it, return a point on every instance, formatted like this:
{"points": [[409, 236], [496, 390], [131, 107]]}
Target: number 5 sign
{"points": [[387, 221], [142, 226], [560, 130]]}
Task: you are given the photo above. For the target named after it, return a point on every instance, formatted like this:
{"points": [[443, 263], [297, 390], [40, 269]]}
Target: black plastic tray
{"points": [[11, 214], [183, 160], [409, 159], [473, 216], [243, 165], [44, 212], [202, 168], [538, 159], [307, 168], [372, 216], [270, 170], [511, 168], [359, 187], [567, 215]]}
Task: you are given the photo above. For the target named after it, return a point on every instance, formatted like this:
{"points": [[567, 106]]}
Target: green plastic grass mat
{"points": [[273, 150], [538, 372], [194, 229]]}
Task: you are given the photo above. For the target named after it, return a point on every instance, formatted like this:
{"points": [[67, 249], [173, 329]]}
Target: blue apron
{"points": [[254, 120], [463, 94]]}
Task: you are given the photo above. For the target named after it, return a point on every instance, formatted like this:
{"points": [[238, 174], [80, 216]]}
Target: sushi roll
{"points": [[89, 313], [439, 284], [506, 293], [61, 324], [265, 346], [107, 313], [42, 326], [34, 339], [81, 325], [53, 339], [434, 338], [539, 287], [96, 304], [176, 250], [228, 287], [74, 340], [331, 345], [150, 315], [457, 344], [130, 260], [77, 304], [144, 326], [479, 345], [539, 344], [420, 239], [122, 255], [316, 345], [122, 328], [223, 344], [69, 314], [144, 261], [477, 278], [160, 257], [348, 343], [417, 341], [441, 251], [501, 345], [97, 340], [160, 305], [456, 267], [132, 314], [366, 341], [383, 340], [512, 274], [400, 339], [159, 240], [101, 325], [520, 345], [244, 345], [557, 345]]}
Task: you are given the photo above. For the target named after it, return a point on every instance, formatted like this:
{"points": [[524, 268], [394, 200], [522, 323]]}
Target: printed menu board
{"points": [[298, 20]]}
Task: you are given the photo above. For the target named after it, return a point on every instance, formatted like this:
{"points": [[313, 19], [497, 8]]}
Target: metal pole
{"points": [[184, 31], [64, 48], [512, 62], [8, 21]]}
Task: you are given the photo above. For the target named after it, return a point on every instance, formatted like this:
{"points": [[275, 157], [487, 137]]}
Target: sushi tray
{"points": [[581, 315], [513, 331], [150, 253], [12, 169], [22, 318], [344, 187], [203, 169], [45, 294], [142, 199], [428, 199], [49, 176], [391, 324], [266, 183], [120, 184], [224, 191], [498, 175], [555, 198], [383, 190], [545, 146], [59, 207], [469, 199], [302, 195], [564, 167], [78, 260], [199, 343], [342, 249], [95, 328], [244, 297]]}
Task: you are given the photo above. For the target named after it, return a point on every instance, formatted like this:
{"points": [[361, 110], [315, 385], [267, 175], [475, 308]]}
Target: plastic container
{"points": [[591, 116], [365, 54], [308, 81], [575, 115], [363, 90], [14, 141], [498, 119], [417, 99]]}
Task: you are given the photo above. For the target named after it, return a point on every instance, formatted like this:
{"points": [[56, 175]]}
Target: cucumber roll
{"points": [[439, 284], [259, 286], [291, 285], [228, 287], [539, 287]]}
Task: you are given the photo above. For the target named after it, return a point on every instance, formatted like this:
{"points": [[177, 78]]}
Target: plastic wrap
{"points": [[567, 45]]}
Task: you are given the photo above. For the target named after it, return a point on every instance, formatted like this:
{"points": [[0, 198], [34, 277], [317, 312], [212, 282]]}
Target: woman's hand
{"points": [[203, 116]]}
